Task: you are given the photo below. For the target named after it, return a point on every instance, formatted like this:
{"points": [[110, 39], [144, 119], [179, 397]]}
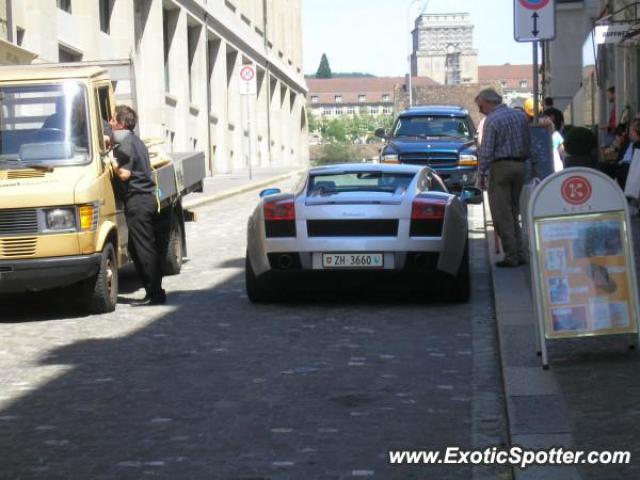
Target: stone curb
{"points": [[236, 191]]}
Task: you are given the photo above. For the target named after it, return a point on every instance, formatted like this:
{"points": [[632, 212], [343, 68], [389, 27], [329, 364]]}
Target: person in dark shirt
{"points": [[552, 112], [132, 167]]}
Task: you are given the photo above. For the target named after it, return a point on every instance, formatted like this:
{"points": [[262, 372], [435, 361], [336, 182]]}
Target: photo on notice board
{"points": [[559, 290], [556, 259], [598, 239], [601, 279], [605, 315], [569, 319]]}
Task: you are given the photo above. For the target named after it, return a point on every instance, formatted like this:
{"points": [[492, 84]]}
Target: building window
{"points": [[373, 110], [387, 110], [350, 110], [66, 55], [326, 111], [385, 97], [362, 98], [503, 83], [523, 84], [338, 98], [64, 5], [314, 99], [19, 35], [338, 110], [105, 7]]}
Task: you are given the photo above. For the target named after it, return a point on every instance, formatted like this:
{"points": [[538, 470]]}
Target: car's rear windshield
{"points": [[325, 184], [433, 126]]}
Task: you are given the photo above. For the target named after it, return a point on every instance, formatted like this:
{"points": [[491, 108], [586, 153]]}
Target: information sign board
{"points": [[534, 20], [582, 261]]}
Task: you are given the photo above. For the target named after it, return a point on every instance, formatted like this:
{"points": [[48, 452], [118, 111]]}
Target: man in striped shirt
{"points": [[504, 149]]}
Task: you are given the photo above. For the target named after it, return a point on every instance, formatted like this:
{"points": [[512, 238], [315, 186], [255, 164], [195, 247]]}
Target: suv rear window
{"points": [[433, 126]]}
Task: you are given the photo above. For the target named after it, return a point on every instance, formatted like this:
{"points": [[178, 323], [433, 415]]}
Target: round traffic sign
{"points": [[576, 190], [247, 73], [534, 4]]}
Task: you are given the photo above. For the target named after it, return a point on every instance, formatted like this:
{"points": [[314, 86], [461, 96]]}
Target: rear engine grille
{"points": [[352, 228], [280, 228], [426, 228], [434, 158], [18, 222], [17, 247]]}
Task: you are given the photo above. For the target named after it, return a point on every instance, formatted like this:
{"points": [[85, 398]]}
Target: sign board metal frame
{"points": [[583, 271], [534, 20]]}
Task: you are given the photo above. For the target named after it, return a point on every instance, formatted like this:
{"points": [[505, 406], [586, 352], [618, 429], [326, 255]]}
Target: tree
{"points": [[324, 70]]}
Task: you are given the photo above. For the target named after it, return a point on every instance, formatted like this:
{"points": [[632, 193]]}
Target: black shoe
{"points": [[148, 300], [505, 264]]}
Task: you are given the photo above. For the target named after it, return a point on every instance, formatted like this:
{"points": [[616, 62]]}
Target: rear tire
{"points": [[101, 291], [173, 259], [258, 289], [459, 287]]}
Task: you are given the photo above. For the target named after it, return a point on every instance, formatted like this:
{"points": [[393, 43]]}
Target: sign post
{"points": [[582, 262], [534, 21], [248, 88]]}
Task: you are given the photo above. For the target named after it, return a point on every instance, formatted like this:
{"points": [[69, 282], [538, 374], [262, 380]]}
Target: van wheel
{"points": [[101, 291], [173, 259]]}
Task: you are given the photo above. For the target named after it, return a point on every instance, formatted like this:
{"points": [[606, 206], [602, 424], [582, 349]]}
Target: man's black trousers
{"points": [[148, 239]]}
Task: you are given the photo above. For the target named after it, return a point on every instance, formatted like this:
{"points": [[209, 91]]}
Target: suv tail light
{"points": [[427, 216], [280, 217], [428, 208]]}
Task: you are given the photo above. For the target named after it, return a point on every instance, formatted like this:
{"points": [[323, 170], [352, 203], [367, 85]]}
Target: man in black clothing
{"points": [[551, 111], [147, 239]]}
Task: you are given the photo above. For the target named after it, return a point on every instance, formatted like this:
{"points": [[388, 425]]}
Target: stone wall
{"points": [[462, 95]]}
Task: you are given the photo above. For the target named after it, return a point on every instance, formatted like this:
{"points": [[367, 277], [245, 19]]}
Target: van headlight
{"points": [[60, 219]]}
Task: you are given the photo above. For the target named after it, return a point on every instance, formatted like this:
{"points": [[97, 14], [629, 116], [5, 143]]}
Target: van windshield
{"points": [[432, 126], [43, 125]]}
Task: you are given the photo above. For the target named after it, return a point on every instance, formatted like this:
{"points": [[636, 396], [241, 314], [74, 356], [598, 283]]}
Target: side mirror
{"points": [[269, 191], [381, 133], [472, 195]]}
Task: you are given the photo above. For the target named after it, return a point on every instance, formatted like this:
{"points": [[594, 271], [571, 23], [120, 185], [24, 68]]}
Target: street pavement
{"points": [[210, 386]]}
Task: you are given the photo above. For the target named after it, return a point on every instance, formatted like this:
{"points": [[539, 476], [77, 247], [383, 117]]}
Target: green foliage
{"points": [[579, 141], [324, 70], [350, 128], [333, 153]]}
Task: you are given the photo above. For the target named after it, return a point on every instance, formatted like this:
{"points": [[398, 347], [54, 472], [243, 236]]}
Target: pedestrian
{"points": [[504, 149], [148, 241], [610, 127], [556, 118], [632, 180], [552, 112]]}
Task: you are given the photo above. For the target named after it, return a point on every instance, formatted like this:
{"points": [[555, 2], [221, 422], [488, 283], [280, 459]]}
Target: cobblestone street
{"points": [[213, 387]]}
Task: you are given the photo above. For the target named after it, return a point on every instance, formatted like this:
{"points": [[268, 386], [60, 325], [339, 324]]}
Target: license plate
{"points": [[352, 260]]}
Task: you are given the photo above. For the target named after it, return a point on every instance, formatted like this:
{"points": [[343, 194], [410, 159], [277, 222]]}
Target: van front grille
{"points": [[18, 222], [29, 173], [18, 247]]}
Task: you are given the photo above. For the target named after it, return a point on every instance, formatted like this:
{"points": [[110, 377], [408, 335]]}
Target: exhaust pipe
{"points": [[285, 261]]}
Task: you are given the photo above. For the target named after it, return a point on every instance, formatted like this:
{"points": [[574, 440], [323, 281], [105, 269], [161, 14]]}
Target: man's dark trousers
{"points": [[148, 240]]}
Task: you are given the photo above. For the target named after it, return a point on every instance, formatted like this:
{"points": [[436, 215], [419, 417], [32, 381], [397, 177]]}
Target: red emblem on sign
{"points": [[534, 4], [576, 190], [247, 73]]}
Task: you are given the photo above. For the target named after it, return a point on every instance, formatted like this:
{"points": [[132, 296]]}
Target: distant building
{"points": [[443, 48], [516, 80], [336, 97]]}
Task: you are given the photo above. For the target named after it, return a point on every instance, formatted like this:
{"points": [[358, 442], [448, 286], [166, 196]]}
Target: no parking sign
{"points": [[534, 20]]}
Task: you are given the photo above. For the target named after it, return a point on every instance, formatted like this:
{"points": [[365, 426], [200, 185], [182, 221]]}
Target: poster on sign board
{"points": [[585, 284]]}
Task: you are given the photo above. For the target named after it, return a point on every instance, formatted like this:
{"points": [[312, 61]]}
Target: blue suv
{"points": [[440, 136]]}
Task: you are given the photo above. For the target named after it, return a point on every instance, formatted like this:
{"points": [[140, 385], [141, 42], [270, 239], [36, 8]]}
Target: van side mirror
{"points": [[381, 133], [471, 195], [269, 191]]}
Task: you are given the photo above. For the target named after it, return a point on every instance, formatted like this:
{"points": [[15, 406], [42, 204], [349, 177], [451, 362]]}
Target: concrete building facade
{"points": [[187, 55], [443, 48]]}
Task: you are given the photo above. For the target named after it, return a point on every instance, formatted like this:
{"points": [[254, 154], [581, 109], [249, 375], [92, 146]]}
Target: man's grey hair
{"points": [[490, 95]]}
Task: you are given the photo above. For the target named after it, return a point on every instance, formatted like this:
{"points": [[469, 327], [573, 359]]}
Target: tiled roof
{"points": [[373, 88], [512, 74]]}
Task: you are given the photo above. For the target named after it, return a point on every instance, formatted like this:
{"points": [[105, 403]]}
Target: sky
{"points": [[373, 35]]}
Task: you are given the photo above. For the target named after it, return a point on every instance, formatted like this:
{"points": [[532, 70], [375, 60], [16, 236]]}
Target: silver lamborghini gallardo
{"points": [[360, 219]]}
